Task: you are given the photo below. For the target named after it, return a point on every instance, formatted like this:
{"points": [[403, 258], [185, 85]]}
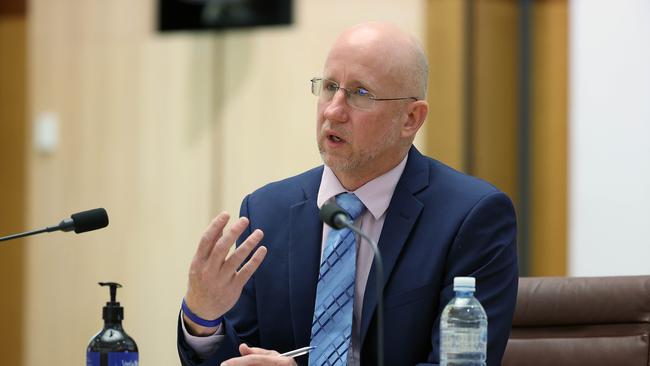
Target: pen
{"points": [[298, 352]]}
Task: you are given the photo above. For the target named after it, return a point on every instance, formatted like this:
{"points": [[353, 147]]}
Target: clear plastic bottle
{"points": [[463, 327]]}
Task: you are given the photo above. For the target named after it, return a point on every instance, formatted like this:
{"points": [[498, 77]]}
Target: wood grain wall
{"points": [[475, 101], [13, 94], [549, 226]]}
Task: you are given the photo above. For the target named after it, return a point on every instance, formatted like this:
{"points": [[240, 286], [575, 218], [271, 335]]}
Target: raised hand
{"points": [[215, 283]]}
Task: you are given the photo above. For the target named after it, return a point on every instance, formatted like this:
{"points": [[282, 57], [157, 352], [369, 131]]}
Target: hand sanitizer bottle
{"points": [[112, 346]]}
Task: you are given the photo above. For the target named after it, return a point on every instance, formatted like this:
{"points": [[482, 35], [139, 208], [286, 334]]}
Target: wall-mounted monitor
{"points": [[197, 15]]}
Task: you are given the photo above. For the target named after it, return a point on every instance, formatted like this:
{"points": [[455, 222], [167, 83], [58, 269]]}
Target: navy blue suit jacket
{"points": [[440, 224]]}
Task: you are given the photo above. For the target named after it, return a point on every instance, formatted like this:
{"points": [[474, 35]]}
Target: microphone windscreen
{"points": [[329, 212], [89, 220]]}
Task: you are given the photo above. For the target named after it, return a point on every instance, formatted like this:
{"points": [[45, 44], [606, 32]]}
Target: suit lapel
{"points": [[401, 216], [304, 262]]}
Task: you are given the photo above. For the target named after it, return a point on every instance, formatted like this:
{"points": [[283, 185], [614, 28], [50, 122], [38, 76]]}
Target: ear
{"points": [[416, 114]]}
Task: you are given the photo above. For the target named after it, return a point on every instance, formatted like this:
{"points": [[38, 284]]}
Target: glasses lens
{"points": [[323, 88], [316, 86], [328, 89], [360, 98]]}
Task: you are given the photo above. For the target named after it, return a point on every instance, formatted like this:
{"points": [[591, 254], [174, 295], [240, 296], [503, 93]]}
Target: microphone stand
{"points": [[27, 233], [65, 225], [379, 271], [80, 222]]}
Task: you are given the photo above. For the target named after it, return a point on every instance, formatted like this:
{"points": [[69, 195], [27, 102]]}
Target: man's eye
{"points": [[362, 92], [330, 87]]}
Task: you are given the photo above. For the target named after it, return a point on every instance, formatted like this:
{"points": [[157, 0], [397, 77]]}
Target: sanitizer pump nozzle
{"points": [[112, 346]]}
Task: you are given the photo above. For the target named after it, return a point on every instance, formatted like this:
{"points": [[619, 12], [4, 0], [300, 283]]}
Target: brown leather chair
{"points": [[581, 321]]}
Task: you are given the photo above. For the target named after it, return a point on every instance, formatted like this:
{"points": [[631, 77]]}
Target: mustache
{"points": [[327, 128]]}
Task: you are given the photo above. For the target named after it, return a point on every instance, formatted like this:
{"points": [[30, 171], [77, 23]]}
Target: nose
{"points": [[336, 110]]}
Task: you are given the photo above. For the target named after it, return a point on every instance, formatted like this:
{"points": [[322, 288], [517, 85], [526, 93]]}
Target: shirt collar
{"points": [[375, 195]]}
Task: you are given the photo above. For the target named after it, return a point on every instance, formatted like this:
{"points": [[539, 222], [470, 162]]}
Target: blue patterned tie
{"points": [[332, 325]]}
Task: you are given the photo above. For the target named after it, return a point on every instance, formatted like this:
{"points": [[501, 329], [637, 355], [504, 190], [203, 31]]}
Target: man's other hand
{"points": [[252, 356]]}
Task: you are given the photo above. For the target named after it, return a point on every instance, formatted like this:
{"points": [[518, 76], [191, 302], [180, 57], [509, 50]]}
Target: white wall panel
{"points": [[609, 137]]}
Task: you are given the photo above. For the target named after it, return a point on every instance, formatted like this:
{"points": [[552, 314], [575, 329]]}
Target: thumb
{"points": [[244, 349]]}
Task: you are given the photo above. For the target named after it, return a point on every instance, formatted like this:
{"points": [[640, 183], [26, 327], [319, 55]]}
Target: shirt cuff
{"points": [[203, 346]]}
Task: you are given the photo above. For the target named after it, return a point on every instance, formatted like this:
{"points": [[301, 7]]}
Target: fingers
{"points": [[252, 356], [223, 244], [211, 235], [250, 267], [244, 349], [259, 360], [243, 251]]}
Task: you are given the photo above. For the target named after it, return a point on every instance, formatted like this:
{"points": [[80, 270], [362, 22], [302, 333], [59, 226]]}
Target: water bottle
{"points": [[463, 327], [112, 346]]}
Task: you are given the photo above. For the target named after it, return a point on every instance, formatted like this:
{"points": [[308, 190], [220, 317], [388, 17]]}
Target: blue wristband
{"points": [[198, 320]]}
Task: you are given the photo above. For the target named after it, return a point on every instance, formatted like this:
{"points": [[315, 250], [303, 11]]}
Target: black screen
{"points": [[174, 15]]}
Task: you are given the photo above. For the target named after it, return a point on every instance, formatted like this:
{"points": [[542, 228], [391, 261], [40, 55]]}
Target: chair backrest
{"points": [[581, 321]]}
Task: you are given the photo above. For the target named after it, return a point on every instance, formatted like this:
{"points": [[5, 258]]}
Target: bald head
{"points": [[389, 52]]}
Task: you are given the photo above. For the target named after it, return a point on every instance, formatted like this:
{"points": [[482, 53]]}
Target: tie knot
{"points": [[351, 204]]}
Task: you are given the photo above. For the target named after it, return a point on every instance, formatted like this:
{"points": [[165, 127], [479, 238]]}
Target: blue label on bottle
{"points": [[92, 358], [123, 359], [114, 359]]}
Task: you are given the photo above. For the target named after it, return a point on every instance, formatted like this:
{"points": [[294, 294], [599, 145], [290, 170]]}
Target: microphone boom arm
{"points": [[79, 222], [26, 233], [379, 274]]}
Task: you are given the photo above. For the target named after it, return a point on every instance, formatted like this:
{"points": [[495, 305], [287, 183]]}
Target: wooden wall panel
{"points": [[494, 136], [493, 108], [12, 184], [13, 8], [135, 112], [445, 49], [549, 219]]}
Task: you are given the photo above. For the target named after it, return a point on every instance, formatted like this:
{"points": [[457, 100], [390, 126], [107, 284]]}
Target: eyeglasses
{"points": [[359, 98]]}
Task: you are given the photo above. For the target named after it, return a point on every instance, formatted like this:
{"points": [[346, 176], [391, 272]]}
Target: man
{"points": [[432, 224]]}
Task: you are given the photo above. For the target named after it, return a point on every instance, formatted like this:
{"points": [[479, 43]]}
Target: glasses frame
{"points": [[348, 93]]}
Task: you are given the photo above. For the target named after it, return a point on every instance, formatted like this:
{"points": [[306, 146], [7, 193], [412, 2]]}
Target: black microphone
{"points": [[80, 222], [333, 215]]}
